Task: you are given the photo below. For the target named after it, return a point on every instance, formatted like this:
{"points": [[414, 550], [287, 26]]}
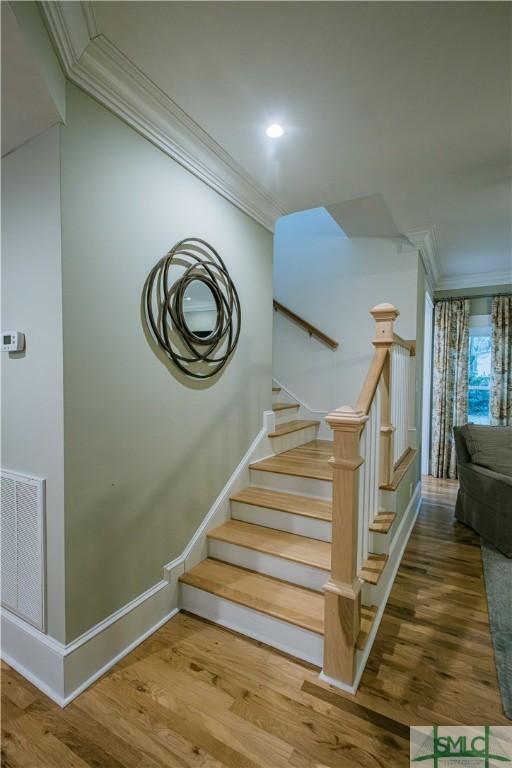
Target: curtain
{"points": [[501, 356], [450, 382]]}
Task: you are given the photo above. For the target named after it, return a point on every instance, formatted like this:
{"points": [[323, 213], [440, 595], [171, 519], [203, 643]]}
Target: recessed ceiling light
{"points": [[274, 131]]}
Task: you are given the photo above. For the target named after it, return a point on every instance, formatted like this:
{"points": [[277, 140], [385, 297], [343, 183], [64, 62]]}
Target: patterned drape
{"points": [[501, 373], [450, 382]]}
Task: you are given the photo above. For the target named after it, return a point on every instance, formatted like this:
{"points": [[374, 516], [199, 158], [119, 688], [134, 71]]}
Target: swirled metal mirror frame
{"points": [[198, 357]]}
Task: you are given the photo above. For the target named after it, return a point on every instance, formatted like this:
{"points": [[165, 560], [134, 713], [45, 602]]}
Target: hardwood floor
{"points": [[443, 492], [197, 695]]}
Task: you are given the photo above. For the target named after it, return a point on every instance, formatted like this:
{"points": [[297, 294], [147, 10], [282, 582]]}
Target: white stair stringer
{"points": [[287, 637]]}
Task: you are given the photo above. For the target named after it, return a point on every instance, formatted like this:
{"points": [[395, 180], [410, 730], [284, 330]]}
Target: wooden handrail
{"points": [[305, 325], [369, 388], [407, 344]]}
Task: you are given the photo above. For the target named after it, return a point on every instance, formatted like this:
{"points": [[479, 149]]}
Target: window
{"points": [[479, 365]]}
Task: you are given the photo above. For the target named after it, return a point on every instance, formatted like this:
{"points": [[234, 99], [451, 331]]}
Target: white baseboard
{"points": [[63, 671], [34, 655], [397, 549]]}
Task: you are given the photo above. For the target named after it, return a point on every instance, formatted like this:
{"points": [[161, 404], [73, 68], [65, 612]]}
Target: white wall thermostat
{"points": [[13, 341]]}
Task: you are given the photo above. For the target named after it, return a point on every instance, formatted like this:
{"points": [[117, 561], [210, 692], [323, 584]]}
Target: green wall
{"points": [[32, 380], [146, 450]]}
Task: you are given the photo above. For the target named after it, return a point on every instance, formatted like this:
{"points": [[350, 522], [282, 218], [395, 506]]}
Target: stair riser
{"points": [[279, 634], [305, 486], [379, 543], [289, 414], [293, 439], [282, 521], [269, 565]]}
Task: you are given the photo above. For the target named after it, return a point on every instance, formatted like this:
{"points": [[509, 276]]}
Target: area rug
{"points": [[498, 585]]}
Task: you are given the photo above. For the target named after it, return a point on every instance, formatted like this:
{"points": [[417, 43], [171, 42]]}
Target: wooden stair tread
{"points": [[400, 470], [288, 602], [309, 460], [372, 568], [285, 502], [276, 389], [292, 426], [382, 522], [284, 406], [289, 546], [368, 614]]}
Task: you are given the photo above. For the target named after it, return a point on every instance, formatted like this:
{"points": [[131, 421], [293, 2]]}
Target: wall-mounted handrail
{"points": [[311, 329]]}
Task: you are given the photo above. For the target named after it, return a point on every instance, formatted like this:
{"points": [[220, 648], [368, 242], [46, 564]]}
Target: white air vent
{"points": [[22, 546]]}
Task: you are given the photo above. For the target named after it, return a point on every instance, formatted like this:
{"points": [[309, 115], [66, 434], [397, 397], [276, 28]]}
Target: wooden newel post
{"points": [[343, 590], [385, 316]]}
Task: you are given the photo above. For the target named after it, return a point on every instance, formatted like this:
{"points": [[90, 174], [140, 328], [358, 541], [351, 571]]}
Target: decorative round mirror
{"points": [[200, 310], [193, 309]]}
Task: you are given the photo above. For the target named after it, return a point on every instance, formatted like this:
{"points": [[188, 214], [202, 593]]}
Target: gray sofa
{"points": [[484, 465]]}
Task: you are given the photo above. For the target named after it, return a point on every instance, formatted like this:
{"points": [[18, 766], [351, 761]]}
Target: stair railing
{"points": [[363, 459], [400, 370]]}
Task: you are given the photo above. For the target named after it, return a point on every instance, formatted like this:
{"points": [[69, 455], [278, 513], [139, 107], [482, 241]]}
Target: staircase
{"points": [[267, 566], [270, 573]]}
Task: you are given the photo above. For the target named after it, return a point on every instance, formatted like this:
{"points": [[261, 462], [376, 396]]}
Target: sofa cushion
{"points": [[489, 446]]}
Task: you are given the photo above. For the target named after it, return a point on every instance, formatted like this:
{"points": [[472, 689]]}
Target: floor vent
{"points": [[23, 547]]}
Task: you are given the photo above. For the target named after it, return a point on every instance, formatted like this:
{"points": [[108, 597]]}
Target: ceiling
{"points": [[27, 106], [409, 101]]}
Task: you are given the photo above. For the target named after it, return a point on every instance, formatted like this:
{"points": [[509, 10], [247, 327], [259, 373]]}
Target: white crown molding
{"points": [[91, 61], [476, 280], [426, 242]]}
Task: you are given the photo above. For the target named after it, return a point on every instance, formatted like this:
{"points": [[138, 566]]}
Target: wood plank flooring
{"points": [[197, 696]]}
